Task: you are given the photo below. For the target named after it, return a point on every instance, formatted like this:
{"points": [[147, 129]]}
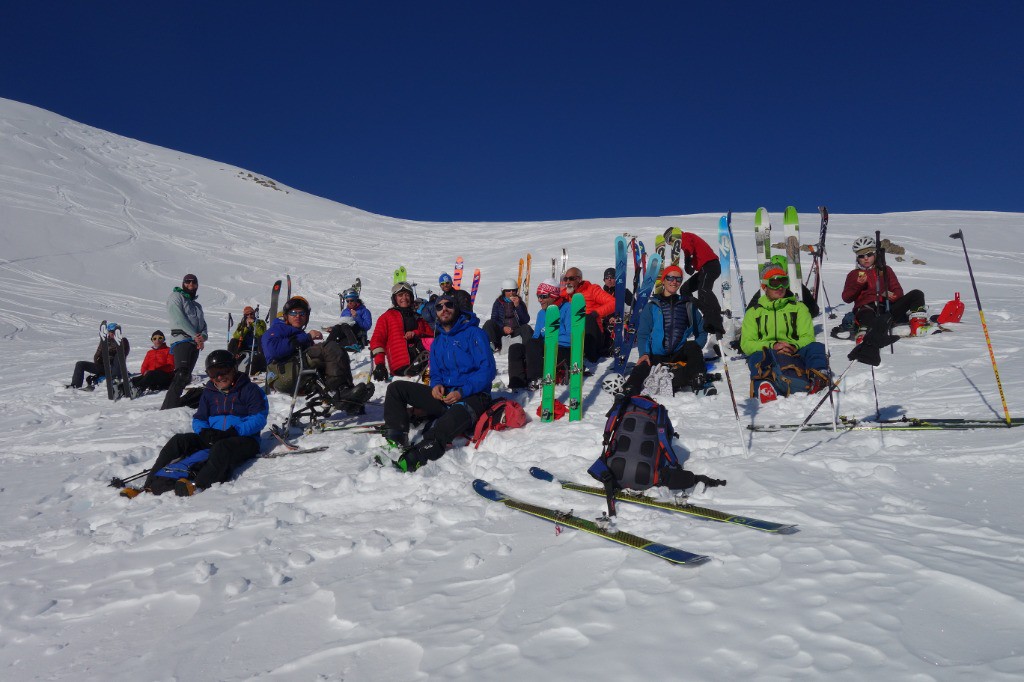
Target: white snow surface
{"points": [[909, 563]]}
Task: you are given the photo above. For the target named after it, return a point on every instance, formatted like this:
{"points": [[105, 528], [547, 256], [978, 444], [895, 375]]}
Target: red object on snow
{"points": [[952, 311]]}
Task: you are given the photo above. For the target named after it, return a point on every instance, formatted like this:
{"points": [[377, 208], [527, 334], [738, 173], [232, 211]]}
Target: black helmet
{"points": [[296, 303], [221, 359]]}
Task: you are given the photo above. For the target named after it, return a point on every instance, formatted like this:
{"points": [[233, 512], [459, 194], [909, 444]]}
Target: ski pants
{"points": [[703, 278], [153, 380], [813, 356], [689, 352], [451, 422], [526, 361], [595, 342], [496, 333], [83, 367], [185, 353], [225, 456], [898, 309]]}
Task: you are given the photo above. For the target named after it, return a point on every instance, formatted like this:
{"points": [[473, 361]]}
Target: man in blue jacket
{"points": [[671, 330], [462, 370], [226, 433]]}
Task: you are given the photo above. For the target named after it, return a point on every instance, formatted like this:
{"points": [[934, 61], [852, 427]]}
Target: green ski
{"points": [[552, 325], [400, 275], [579, 320]]}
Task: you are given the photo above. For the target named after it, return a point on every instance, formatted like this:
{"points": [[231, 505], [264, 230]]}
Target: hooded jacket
{"points": [[362, 316], [767, 322], [461, 358], [186, 316], [244, 407]]}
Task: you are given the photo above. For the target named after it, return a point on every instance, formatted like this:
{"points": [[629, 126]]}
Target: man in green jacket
{"points": [[778, 339]]}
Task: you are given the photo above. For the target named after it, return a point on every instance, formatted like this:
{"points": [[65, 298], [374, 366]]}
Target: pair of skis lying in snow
{"points": [[601, 526]]}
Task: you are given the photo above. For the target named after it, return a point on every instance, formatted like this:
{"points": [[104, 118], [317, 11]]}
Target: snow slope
{"points": [[908, 564]]}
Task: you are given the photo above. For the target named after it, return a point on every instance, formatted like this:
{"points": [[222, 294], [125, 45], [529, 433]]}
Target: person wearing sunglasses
{"points": [[246, 340], [225, 433], [600, 306], [509, 317], [670, 332], [873, 288], [462, 371], [778, 339], [188, 336], [287, 337], [400, 338], [95, 369], [157, 367], [526, 360]]}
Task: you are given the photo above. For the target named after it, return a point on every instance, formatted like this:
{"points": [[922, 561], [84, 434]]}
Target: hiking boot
{"points": [[397, 438], [185, 488], [766, 392], [130, 492], [707, 390]]}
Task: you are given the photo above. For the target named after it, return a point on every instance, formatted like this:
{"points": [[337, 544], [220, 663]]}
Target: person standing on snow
{"points": [[188, 336]]}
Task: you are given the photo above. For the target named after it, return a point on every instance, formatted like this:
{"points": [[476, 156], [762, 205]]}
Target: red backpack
{"points": [[952, 311], [502, 414]]}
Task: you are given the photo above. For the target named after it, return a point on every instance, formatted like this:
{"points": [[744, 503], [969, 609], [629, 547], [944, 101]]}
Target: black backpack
{"points": [[637, 452]]}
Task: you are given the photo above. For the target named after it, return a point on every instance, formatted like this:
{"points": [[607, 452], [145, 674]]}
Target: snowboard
{"points": [[124, 380], [105, 354]]}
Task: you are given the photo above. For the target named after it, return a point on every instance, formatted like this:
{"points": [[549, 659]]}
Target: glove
{"points": [[211, 436], [380, 373]]}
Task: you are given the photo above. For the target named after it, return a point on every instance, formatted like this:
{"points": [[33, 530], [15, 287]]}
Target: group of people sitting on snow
{"points": [[443, 339]]}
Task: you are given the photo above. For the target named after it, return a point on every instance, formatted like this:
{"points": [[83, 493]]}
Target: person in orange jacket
{"points": [[600, 305], [157, 368]]}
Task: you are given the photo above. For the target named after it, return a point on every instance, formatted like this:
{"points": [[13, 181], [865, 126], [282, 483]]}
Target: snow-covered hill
{"points": [[908, 564]]}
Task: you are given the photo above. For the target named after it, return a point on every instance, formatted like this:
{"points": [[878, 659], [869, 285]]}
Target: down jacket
{"points": [[461, 358], [244, 407]]}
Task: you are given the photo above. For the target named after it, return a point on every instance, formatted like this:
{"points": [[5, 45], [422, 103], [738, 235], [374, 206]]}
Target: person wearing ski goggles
{"points": [[778, 333]]}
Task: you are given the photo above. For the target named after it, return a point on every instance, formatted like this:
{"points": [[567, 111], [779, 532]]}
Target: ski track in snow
{"points": [[907, 565]]}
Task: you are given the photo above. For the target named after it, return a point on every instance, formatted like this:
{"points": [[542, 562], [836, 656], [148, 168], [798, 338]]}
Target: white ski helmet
{"points": [[863, 244], [613, 383], [509, 284]]}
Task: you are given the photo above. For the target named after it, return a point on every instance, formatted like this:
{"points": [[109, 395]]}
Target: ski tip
{"points": [[484, 488], [543, 475]]}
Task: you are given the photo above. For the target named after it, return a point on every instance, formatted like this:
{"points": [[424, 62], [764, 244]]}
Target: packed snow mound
{"points": [[907, 564]]}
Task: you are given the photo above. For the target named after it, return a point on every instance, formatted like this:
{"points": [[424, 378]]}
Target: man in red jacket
{"points": [[600, 305], [398, 337], [157, 367]]}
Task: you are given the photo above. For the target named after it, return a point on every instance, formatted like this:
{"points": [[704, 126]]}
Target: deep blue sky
{"points": [[545, 110]]}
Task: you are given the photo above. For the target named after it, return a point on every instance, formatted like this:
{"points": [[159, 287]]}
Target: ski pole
{"points": [[116, 482], [735, 257], [811, 413], [828, 350], [732, 394], [981, 313]]}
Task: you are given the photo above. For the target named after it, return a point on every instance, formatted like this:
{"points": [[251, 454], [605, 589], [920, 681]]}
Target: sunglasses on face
{"points": [[673, 278], [778, 283], [543, 296], [156, 338], [190, 281], [217, 374], [865, 255], [298, 313], [571, 278], [444, 305]]}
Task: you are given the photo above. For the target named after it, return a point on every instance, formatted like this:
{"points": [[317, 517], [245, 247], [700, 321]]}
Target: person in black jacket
{"points": [[95, 367]]}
